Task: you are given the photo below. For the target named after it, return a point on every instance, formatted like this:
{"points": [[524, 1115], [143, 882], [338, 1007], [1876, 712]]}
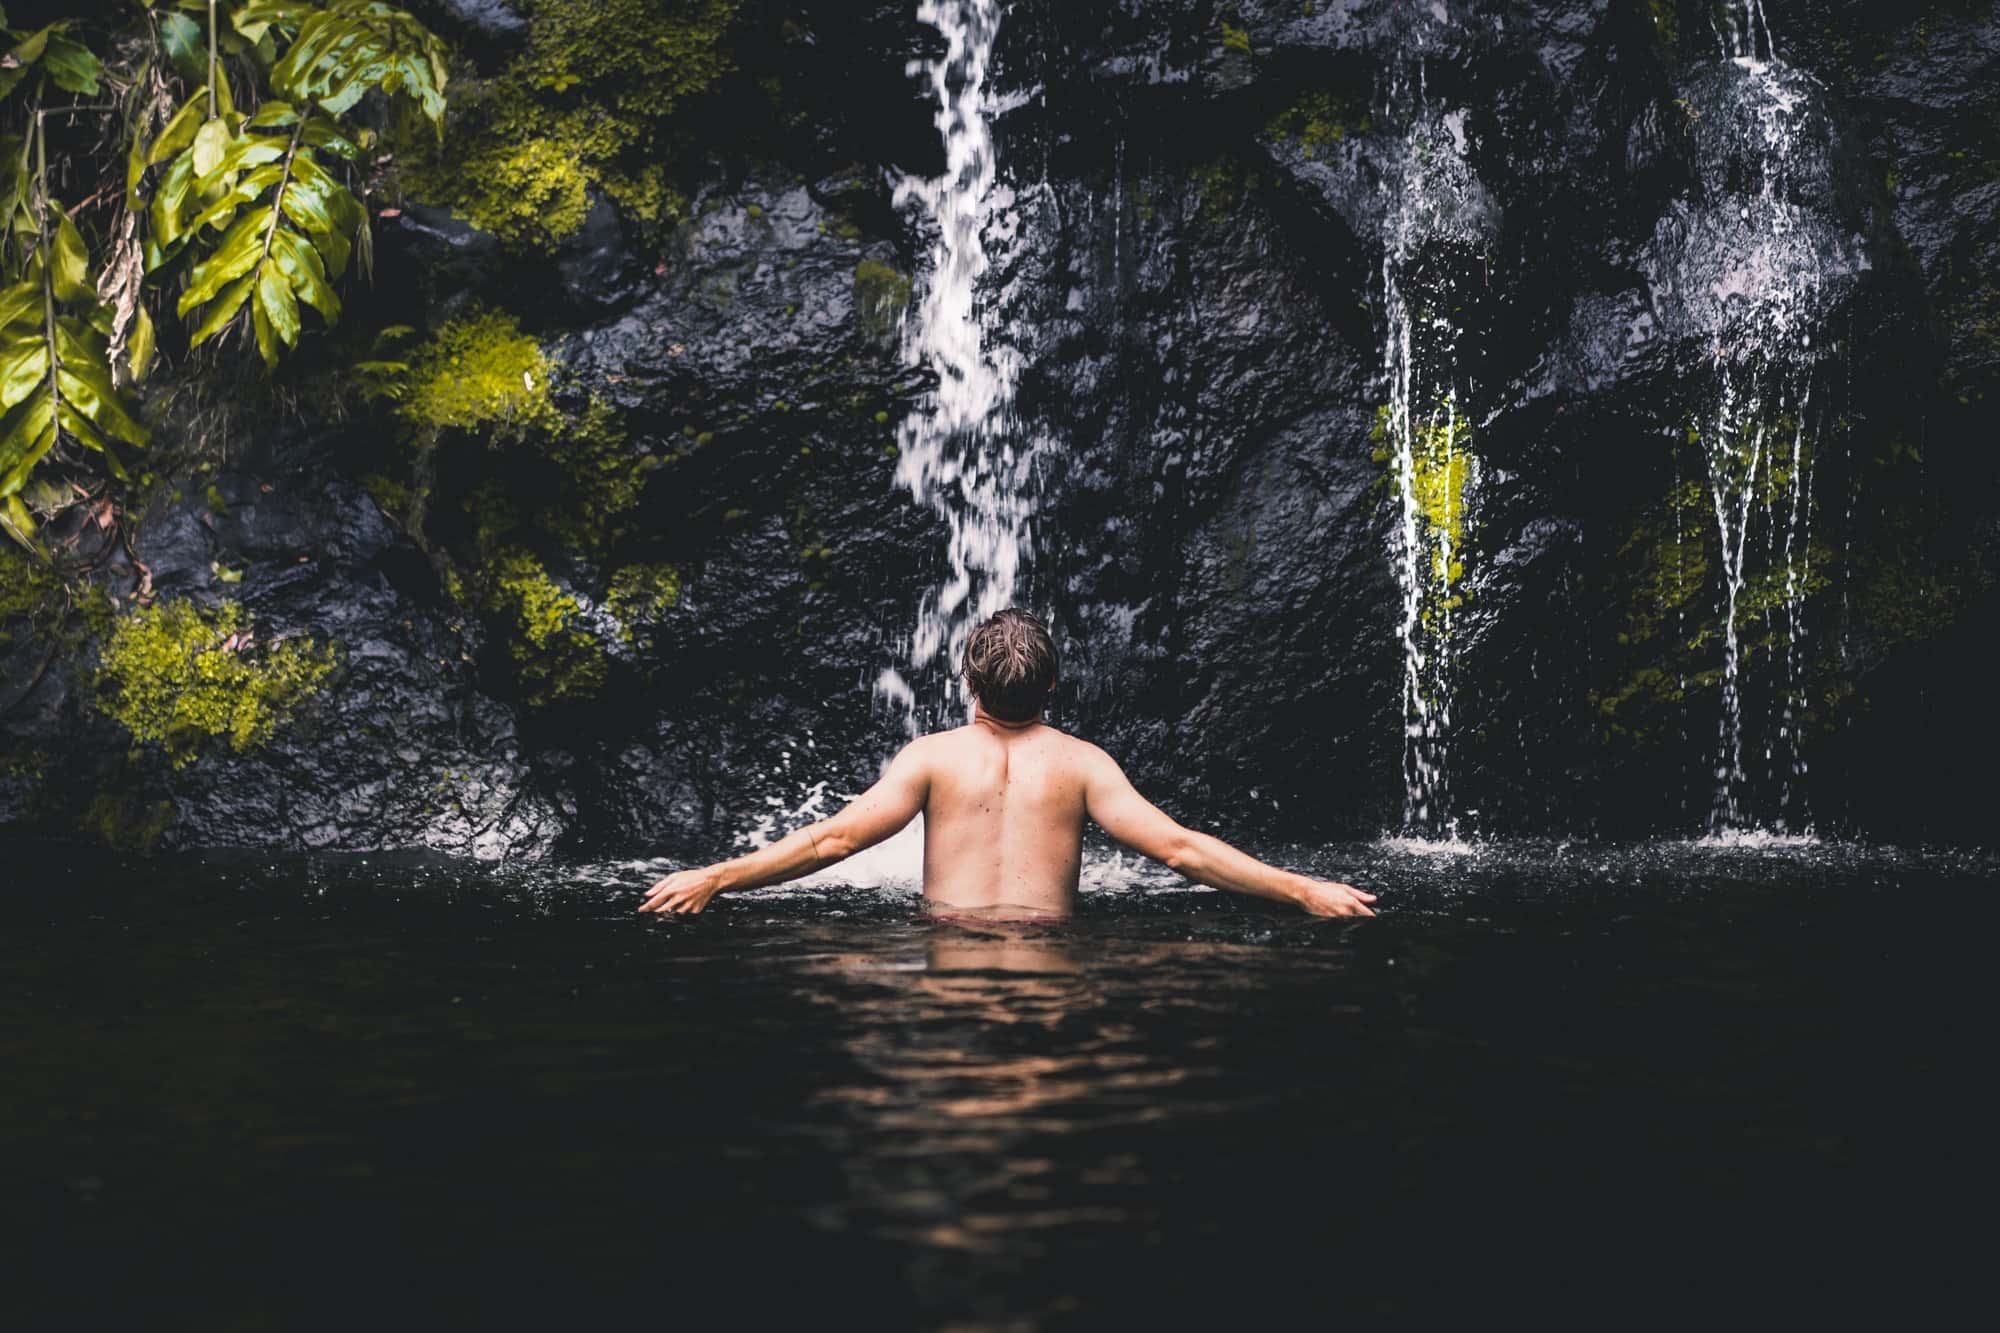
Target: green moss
{"points": [[1441, 472], [640, 594], [393, 496], [1221, 186], [1441, 475], [479, 371], [58, 611], [591, 100], [557, 657], [881, 294], [1666, 20], [531, 192], [29, 588], [1669, 643], [1317, 121], [216, 504], [126, 822], [603, 479], [180, 678]]}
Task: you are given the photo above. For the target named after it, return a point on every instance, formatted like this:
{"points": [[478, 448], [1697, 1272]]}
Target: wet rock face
{"points": [[399, 749], [1192, 270]]}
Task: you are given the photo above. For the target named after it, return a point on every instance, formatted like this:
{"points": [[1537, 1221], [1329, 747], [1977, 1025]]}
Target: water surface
{"points": [[307, 1093]]}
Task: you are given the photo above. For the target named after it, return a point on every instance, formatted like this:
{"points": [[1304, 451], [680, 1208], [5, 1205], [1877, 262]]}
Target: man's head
{"points": [[1010, 663]]}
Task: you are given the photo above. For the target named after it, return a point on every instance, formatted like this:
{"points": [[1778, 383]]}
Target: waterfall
{"points": [[1433, 207], [1765, 277], [961, 453]]}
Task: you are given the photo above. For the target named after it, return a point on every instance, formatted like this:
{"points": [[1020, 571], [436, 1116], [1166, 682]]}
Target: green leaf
{"points": [[273, 115], [31, 47], [211, 141], [242, 245], [172, 202], [267, 342], [20, 525], [322, 132], [187, 46], [222, 310], [354, 45], [21, 304], [250, 150], [13, 175], [141, 345], [300, 265], [335, 199], [70, 272], [277, 304], [72, 66], [24, 368], [251, 185], [286, 14], [27, 433], [180, 128], [87, 388], [135, 169]]}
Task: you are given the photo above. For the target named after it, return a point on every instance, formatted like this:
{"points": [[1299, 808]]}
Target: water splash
{"points": [[961, 453], [1433, 224]]}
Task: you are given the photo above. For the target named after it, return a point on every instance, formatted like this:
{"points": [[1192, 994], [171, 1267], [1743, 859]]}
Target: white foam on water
{"points": [[1755, 840], [1442, 848]]}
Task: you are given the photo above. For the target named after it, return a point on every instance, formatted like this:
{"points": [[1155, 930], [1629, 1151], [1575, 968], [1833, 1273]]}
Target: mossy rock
{"points": [[479, 371], [181, 678], [590, 101], [558, 659], [881, 295]]}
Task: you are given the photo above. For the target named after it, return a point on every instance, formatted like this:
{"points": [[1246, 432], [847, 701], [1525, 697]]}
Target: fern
{"points": [[245, 197]]}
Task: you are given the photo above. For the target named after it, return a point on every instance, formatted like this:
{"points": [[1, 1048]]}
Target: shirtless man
{"points": [[1003, 801]]}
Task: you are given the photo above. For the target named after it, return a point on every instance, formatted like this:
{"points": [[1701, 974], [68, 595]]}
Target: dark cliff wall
{"points": [[653, 594]]}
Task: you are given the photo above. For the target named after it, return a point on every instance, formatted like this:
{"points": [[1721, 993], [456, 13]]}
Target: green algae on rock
{"points": [[179, 678], [589, 103], [558, 658], [479, 370], [881, 294]]}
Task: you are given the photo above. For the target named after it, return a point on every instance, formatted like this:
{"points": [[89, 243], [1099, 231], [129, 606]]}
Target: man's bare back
{"points": [[1004, 805]]}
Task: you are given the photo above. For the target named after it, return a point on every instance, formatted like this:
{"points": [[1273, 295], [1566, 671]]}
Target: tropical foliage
{"points": [[241, 206]]}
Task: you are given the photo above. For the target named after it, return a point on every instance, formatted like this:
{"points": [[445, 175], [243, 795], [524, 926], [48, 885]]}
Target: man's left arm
{"points": [[871, 817]]}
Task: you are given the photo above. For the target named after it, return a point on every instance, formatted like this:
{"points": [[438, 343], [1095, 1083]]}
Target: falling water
{"points": [[961, 453], [1433, 204], [1752, 273]]}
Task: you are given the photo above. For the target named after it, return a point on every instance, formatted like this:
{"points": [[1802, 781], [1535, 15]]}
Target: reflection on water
{"points": [[496, 1094]]}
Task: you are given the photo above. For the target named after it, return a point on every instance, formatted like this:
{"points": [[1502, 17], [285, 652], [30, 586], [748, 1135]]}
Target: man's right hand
{"points": [[683, 893], [1325, 897]]}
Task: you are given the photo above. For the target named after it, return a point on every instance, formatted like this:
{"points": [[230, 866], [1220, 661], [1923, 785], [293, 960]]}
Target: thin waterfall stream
{"points": [[1759, 276], [960, 453], [1433, 212]]}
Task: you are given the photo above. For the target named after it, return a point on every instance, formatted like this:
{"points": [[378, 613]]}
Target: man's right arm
{"points": [[1119, 809]]}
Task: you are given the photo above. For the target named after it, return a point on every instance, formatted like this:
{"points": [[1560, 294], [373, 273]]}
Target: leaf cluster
{"points": [[248, 208]]}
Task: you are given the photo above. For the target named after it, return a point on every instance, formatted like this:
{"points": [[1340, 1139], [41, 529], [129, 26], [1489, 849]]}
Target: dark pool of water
{"points": [[340, 1094]]}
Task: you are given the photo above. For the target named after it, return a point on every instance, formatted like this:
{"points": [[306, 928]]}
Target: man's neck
{"points": [[980, 715]]}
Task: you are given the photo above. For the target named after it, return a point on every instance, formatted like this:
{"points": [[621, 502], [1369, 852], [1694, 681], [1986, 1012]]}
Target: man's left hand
{"points": [[683, 893]]}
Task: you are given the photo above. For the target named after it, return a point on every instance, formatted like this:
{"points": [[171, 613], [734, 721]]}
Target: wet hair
{"points": [[1010, 664]]}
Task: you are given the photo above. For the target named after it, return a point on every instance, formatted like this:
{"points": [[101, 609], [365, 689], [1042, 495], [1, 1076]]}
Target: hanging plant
{"points": [[248, 207], [55, 371], [246, 193]]}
